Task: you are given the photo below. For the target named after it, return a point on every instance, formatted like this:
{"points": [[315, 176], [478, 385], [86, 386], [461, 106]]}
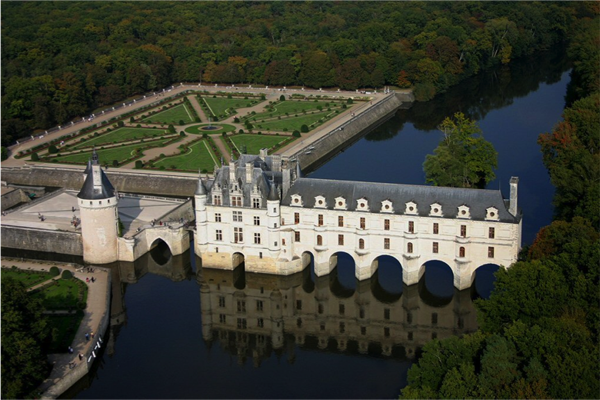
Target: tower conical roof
{"points": [[200, 189], [99, 188], [273, 193]]}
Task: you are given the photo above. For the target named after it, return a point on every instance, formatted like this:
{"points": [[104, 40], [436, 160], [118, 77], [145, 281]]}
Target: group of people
{"points": [[41, 217], [88, 280]]}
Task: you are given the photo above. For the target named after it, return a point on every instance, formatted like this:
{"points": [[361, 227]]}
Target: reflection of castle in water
{"points": [[252, 315]]}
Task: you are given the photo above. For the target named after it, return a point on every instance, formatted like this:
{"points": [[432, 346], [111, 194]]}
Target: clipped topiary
{"points": [[66, 275], [54, 271]]}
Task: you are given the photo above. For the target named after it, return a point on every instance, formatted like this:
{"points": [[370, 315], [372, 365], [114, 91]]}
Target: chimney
{"points": [[276, 164], [231, 171], [249, 171], [263, 153], [514, 183]]}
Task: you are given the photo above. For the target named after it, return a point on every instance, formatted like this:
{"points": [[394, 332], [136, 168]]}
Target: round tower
{"points": [[273, 217], [97, 203], [200, 198]]}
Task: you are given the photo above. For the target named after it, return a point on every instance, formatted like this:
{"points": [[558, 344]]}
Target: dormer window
{"points": [[340, 203], [362, 204], [320, 202], [216, 200], [387, 207], [491, 214], [411, 208], [296, 200], [436, 210], [463, 212]]}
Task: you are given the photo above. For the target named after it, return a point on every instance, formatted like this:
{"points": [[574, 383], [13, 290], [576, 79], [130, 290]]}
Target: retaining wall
{"points": [[18, 237]]}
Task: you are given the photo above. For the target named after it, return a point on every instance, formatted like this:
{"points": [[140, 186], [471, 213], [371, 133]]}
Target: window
{"points": [[259, 305], [436, 247], [320, 308], [386, 332], [221, 301], [320, 220], [218, 217], [411, 227], [319, 240], [296, 236], [361, 244], [340, 240], [434, 319], [342, 327], [298, 304], [409, 248], [260, 255], [386, 243], [236, 201], [342, 309], [490, 252], [222, 318], [436, 228], [217, 200], [386, 313], [241, 323], [361, 313], [299, 322], [237, 216], [219, 235], [340, 221], [296, 218], [363, 330], [322, 327], [257, 221], [463, 231], [461, 252], [257, 238], [363, 223], [386, 224], [409, 317], [255, 203], [238, 235], [241, 306], [492, 233], [260, 322], [410, 336], [433, 335]]}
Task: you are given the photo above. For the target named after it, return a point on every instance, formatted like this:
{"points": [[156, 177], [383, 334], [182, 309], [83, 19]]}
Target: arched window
{"points": [[319, 240], [409, 248], [461, 252], [361, 243]]}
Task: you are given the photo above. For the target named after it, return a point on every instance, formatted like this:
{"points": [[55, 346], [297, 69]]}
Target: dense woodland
{"points": [[61, 60], [539, 331]]}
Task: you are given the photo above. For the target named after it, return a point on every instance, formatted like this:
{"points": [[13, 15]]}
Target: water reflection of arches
{"points": [[483, 280], [387, 282], [278, 310], [342, 279], [160, 252]]}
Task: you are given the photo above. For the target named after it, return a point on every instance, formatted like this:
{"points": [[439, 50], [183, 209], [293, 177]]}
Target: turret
{"points": [[273, 216], [97, 203], [200, 198]]}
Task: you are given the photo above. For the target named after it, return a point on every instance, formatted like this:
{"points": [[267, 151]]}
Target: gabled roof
{"points": [[449, 198]]}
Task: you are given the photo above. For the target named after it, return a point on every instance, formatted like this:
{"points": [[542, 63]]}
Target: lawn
{"points": [[121, 135], [197, 158], [172, 116], [218, 105], [195, 129], [28, 278], [293, 123], [254, 143], [63, 294], [119, 153], [63, 328], [295, 107]]}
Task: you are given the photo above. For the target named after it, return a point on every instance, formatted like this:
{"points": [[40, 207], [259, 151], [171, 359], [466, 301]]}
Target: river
{"points": [[178, 331]]}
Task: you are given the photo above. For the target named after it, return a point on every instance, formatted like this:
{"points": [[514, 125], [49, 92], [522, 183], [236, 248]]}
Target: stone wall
{"points": [[341, 137], [49, 241]]}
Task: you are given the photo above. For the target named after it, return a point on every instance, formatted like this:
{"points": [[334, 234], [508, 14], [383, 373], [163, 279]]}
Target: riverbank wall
{"points": [[343, 135], [46, 240]]}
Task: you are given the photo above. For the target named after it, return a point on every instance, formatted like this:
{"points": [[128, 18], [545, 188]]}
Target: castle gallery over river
{"points": [[260, 210]]}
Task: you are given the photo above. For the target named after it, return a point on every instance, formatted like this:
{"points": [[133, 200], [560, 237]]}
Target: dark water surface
{"points": [[178, 331]]}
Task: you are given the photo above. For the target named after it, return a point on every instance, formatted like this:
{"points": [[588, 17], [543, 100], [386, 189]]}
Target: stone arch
{"points": [[160, 251], [346, 286], [387, 282], [440, 280], [479, 288], [308, 269]]}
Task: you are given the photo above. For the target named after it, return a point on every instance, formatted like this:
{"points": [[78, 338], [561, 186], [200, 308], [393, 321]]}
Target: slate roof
{"points": [[478, 200], [105, 191]]}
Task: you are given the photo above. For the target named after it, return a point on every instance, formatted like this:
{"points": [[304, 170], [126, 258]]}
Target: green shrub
{"points": [[35, 157], [296, 133], [304, 128], [139, 164], [54, 271], [66, 275], [282, 98]]}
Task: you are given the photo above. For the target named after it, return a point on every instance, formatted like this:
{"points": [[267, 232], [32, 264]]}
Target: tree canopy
{"points": [[463, 158], [25, 339]]}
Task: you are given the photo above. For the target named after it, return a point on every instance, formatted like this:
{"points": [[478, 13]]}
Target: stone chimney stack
{"points": [[514, 184], [249, 171], [276, 162], [231, 169], [263, 153]]}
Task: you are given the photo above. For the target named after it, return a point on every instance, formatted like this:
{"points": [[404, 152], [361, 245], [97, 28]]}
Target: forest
{"points": [[539, 332], [62, 60]]}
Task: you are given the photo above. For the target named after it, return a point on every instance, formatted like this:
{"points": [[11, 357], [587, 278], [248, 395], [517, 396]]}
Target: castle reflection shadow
{"points": [[256, 315]]}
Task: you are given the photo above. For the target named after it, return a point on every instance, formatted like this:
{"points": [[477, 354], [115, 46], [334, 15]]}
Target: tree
{"points": [[35, 157], [463, 158], [4, 153], [304, 128], [25, 339]]}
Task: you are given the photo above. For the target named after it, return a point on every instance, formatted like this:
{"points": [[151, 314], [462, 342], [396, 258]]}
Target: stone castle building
{"points": [[261, 211]]}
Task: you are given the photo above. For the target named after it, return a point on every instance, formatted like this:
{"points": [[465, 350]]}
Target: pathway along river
{"points": [[226, 335]]}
